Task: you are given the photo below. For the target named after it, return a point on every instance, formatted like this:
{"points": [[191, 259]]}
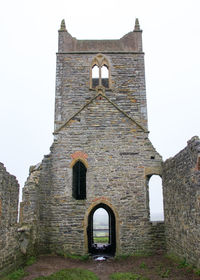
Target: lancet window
{"points": [[79, 180]]}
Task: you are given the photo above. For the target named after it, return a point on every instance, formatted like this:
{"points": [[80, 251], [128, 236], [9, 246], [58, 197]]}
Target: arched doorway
{"points": [[107, 243]]}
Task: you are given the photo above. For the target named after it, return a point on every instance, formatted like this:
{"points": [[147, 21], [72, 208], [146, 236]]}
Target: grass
{"points": [[72, 256], [31, 261], [143, 265], [101, 239], [122, 257], [16, 275], [183, 263], [77, 257], [127, 276], [71, 274], [163, 271], [20, 273], [197, 272]]}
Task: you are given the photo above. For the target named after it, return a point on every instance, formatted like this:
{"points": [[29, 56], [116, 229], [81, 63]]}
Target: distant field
{"points": [[100, 232], [101, 239]]}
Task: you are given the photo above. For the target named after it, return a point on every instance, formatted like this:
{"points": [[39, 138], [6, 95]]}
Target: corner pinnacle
{"points": [[62, 26], [137, 25]]}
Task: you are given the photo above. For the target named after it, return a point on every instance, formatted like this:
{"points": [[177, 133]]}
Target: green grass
{"points": [[16, 275], [31, 261], [100, 239], [163, 271], [71, 256], [183, 263], [197, 271], [71, 274], [143, 265], [122, 257], [127, 276]]}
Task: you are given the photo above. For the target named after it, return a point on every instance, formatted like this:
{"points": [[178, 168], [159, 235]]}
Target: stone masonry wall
{"points": [[181, 187], [35, 210], [120, 157], [10, 255], [118, 153], [127, 79], [158, 237], [107, 128]]}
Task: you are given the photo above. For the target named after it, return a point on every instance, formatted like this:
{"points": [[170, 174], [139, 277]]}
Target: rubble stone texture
{"points": [[9, 239], [107, 130], [181, 186]]}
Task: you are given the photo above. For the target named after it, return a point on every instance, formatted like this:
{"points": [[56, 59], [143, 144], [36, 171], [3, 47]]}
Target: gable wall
{"points": [[73, 83], [118, 152]]}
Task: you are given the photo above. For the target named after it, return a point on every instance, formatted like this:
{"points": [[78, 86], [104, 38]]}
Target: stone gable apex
{"points": [[100, 94]]}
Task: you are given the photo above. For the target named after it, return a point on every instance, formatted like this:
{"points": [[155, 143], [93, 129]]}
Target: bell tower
{"points": [[101, 157], [120, 74]]}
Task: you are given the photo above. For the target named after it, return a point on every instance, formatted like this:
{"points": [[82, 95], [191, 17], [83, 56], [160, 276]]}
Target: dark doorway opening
{"points": [[101, 235]]}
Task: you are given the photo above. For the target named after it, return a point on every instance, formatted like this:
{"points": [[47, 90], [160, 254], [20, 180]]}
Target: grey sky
{"points": [[171, 42]]}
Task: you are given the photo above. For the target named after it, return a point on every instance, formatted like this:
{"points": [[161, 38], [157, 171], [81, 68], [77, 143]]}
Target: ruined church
{"points": [[101, 157]]}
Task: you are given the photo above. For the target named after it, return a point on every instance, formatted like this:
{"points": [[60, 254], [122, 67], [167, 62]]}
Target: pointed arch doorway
{"points": [[107, 226]]}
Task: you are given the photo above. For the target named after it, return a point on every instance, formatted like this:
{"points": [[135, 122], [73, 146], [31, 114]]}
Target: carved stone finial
{"points": [[62, 26], [137, 25]]}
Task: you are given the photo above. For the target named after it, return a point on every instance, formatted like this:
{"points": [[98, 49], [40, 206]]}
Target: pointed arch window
{"points": [[79, 180], [95, 76], [100, 74]]}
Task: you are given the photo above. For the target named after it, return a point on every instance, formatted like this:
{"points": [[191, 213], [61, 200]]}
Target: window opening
{"points": [[95, 76], [156, 198], [104, 76], [79, 181], [100, 227], [99, 72]]}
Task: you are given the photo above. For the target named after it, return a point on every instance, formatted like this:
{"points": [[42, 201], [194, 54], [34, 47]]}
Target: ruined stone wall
{"points": [[181, 187], [35, 210], [10, 255]]}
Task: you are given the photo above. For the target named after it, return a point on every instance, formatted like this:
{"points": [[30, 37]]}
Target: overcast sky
{"points": [[28, 30]]}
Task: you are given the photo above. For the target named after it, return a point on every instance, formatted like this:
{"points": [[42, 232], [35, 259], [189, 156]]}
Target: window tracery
{"points": [[100, 74]]}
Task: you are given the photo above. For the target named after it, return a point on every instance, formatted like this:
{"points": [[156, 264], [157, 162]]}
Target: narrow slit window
{"points": [[79, 181]]}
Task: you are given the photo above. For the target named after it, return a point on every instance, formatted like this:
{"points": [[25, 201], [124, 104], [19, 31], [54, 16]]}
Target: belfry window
{"points": [[100, 72], [95, 76], [104, 76], [79, 180]]}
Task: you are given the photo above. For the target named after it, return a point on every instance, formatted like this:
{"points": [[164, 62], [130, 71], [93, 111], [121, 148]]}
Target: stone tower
{"points": [[101, 156]]}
